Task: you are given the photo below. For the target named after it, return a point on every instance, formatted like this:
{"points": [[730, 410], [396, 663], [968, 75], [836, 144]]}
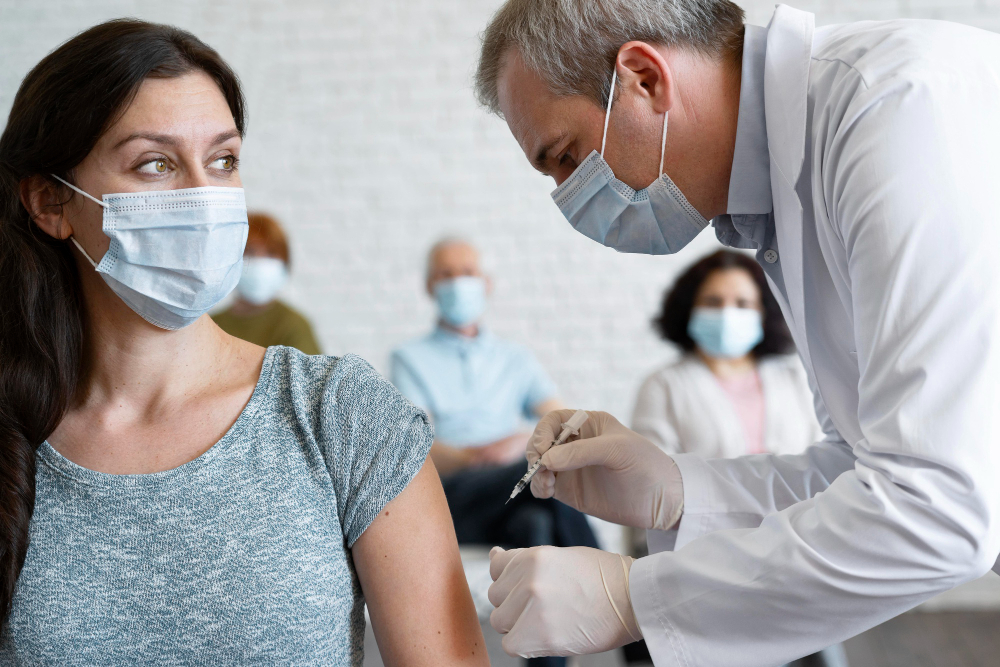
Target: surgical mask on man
{"points": [[262, 279], [657, 220], [461, 301], [174, 253], [726, 332]]}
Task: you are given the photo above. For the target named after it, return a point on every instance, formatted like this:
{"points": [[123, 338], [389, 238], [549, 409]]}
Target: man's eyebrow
{"points": [[167, 140], [543, 153]]}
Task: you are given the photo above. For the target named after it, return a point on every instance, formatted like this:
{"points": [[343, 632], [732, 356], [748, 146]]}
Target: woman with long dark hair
{"points": [[736, 388], [169, 493]]}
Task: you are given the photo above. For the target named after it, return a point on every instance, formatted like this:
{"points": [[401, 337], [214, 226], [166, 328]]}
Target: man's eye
{"points": [[566, 159], [159, 166]]}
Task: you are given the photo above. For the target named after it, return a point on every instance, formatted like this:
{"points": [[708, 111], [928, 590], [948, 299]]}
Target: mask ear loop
{"points": [[607, 112], [93, 199], [73, 187], [83, 252], [663, 141]]}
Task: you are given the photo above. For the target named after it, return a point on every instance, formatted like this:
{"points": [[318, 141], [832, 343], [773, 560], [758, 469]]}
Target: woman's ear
{"points": [[644, 70], [44, 201]]}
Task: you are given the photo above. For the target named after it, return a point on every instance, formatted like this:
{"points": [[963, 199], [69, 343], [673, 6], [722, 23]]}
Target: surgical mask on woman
{"points": [[262, 279], [726, 332], [174, 254], [657, 220], [461, 301]]}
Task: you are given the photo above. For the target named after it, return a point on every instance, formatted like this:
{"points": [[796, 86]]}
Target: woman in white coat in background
{"points": [[736, 390]]}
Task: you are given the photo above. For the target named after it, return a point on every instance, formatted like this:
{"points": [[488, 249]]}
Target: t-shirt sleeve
{"points": [[376, 442], [539, 386]]}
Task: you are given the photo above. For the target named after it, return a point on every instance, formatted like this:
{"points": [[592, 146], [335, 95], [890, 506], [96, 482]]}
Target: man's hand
{"points": [[610, 472], [561, 601]]}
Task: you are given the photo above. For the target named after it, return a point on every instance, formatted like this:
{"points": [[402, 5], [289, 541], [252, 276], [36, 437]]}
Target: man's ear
{"points": [[44, 201], [646, 72]]}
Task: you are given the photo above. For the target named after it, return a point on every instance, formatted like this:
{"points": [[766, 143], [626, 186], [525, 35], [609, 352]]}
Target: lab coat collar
{"points": [[786, 82], [750, 182]]}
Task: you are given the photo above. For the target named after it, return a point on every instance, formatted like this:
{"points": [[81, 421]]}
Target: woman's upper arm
{"points": [[411, 574]]}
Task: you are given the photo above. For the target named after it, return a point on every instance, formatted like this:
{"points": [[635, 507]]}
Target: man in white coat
{"points": [[861, 163]]}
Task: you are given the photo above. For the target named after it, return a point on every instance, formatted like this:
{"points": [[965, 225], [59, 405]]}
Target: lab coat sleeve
{"points": [[652, 417], [910, 186]]}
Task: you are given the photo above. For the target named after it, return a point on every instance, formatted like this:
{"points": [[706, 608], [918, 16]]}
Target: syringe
{"points": [[570, 427]]}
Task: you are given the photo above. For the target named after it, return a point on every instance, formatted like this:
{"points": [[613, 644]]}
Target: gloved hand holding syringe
{"points": [[570, 427]]}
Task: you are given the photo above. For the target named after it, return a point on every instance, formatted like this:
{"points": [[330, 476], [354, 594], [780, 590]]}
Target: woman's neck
{"points": [[725, 368], [150, 399], [133, 362]]}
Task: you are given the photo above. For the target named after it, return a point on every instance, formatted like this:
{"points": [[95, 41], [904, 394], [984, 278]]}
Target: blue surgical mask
{"points": [[262, 279], [726, 332], [174, 253], [461, 301], [657, 220]]}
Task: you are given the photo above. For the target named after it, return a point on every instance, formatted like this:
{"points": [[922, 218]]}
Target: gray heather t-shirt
{"points": [[238, 557]]}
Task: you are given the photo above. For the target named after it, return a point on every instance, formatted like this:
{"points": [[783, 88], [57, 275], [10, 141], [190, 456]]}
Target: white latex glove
{"points": [[610, 472], [561, 601]]}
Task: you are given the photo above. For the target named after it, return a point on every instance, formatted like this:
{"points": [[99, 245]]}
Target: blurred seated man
{"points": [[478, 389], [257, 315]]}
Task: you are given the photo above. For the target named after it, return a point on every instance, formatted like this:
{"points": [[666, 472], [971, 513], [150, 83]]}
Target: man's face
{"points": [[453, 261], [558, 133]]}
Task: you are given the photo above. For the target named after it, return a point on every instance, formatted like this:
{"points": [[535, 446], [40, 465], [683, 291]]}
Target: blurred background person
{"points": [[479, 390], [738, 388], [257, 315]]}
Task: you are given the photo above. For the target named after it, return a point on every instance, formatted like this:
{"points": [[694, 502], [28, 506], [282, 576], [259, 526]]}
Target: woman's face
{"points": [[729, 288], [177, 133]]}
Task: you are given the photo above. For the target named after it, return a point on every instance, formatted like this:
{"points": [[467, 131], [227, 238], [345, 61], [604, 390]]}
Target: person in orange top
{"points": [[257, 315]]}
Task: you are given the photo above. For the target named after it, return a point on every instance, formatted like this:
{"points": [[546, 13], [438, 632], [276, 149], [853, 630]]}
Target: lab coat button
{"points": [[770, 256]]}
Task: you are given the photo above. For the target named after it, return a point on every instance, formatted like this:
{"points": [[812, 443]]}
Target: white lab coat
{"points": [[683, 408], [884, 140]]}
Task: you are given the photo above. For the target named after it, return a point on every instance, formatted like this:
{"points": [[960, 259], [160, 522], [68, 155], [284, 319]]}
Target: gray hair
{"points": [[573, 44]]}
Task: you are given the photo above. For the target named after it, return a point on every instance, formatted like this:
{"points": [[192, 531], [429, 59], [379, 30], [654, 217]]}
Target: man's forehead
{"points": [[454, 252], [527, 104]]}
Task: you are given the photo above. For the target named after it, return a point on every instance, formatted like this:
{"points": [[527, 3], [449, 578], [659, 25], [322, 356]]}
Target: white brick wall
{"points": [[365, 140]]}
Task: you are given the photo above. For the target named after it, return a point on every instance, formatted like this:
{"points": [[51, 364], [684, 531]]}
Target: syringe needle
{"points": [[571, 427]]}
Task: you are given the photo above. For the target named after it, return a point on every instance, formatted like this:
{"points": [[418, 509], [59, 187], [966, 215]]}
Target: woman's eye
{"points": [[225, 163], [155, 167]]}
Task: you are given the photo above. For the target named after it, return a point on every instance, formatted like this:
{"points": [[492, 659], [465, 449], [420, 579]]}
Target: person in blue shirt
{"points": [[479, 390]]}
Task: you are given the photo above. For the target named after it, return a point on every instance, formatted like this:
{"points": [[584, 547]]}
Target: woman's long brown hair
{"points": [[62, 108]]}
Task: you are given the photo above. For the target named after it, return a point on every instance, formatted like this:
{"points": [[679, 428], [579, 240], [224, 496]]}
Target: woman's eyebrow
{"points": [[164, 139], [167, 140]]}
